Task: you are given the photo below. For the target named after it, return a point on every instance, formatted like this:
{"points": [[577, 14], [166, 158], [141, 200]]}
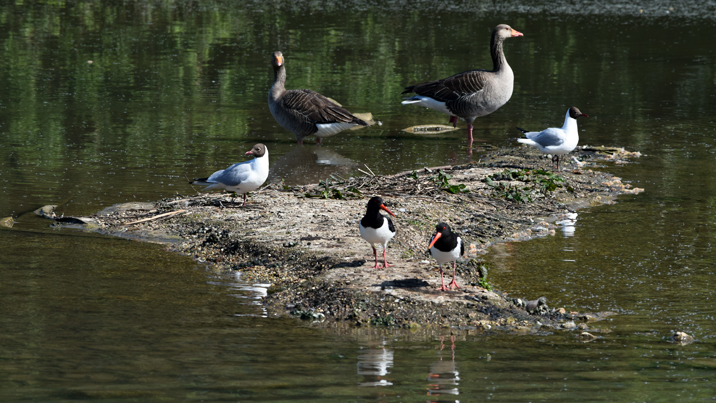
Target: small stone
{"points": [[569, 325], [537, 306], [682, 338], [586, 337], [7, 222]]}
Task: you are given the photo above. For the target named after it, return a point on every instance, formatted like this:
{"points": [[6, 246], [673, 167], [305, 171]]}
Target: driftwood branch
{"points": [[156, 217]]}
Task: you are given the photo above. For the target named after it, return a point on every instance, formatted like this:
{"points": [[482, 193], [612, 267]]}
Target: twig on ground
{"points": [[156, 217]]}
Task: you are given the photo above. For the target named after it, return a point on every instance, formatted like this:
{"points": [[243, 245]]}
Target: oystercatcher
{"points": [[446, 247], [376, 228]]}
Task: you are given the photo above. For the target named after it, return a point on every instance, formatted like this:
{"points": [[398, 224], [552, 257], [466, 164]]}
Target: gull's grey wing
{"points": [[547, 138], [232, 175]]}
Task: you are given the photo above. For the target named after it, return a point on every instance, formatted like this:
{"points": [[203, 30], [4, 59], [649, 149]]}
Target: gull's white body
{"points": [[555, 140]]}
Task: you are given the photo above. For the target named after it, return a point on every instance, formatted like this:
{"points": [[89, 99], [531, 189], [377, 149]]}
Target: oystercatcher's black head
{"points": [[376, 203], [442, 228]]}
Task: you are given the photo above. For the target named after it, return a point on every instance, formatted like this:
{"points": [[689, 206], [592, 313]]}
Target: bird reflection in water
{"points": [[444, 376], [568, 223], [374, 365], [308, 164]]}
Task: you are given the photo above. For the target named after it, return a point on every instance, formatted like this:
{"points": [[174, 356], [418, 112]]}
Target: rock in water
{"points": [[47, 211], [538, 306], [682, 338], [586, 337]]}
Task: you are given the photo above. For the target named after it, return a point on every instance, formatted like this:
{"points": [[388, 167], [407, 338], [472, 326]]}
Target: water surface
{"points": [[105, 103]]}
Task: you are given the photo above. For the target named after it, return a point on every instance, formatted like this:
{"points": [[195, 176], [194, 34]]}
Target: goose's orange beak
{"points": [[516, 33]]}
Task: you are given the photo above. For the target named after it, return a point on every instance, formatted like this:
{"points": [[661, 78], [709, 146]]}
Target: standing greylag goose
{"points": [[446, 247], [376, 228], [557, 141], [473, 93], [305, 112], [242, 177]]}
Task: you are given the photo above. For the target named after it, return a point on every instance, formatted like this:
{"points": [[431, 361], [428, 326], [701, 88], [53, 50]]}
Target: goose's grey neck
{"points": [[279, 81], [498, 56]]}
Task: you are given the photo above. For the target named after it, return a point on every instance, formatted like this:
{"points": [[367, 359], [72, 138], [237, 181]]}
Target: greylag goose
{"points": [[473, 93], [557, 141], [305, 112], [376, 228], [242, 177], [446, 247]]}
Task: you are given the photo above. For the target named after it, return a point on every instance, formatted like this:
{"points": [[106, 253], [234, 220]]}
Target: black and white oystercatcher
{"points": [[473, 93], [377, 228], [242, 177], [555, 140], [446, 247], [306, 112]]}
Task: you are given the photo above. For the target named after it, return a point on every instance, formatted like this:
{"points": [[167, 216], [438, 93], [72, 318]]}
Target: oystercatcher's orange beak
{"points": [[435, 239], [516, 33], [382, 207]]}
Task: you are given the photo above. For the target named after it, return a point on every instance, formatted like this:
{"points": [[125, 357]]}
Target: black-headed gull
{"points": [[376, 228], [241, 177], [556, 141], [306, 112], [446, 246], [474, 93]]}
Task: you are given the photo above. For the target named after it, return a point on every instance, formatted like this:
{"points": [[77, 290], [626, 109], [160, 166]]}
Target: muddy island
{"points": [[304, 240]]}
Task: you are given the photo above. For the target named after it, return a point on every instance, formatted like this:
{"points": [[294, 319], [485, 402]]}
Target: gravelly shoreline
{"points": [[309, 249]]}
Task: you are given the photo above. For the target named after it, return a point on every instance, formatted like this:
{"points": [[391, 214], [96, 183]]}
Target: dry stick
{"points": [[365, 172], [171, 213], [178, 201], [366, 167]]}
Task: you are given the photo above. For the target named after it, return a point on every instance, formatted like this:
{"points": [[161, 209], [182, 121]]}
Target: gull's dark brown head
{"points": [[574, 113], [258, 151]]}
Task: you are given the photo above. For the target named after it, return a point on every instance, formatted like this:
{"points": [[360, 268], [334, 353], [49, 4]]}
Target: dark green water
{"points": [[178, 89]]}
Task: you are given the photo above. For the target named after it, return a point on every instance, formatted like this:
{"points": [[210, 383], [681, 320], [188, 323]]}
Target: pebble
{"points": [[682, 338], [586, 337]]}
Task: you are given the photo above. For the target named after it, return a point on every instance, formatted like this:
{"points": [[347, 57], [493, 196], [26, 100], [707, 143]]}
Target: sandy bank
{"points": [[304, 240]]}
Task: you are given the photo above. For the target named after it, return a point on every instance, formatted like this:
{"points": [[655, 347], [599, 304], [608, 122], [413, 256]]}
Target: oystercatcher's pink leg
{"points": [[375, 255], [442, 280], [385, 261], [453, 283]]}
